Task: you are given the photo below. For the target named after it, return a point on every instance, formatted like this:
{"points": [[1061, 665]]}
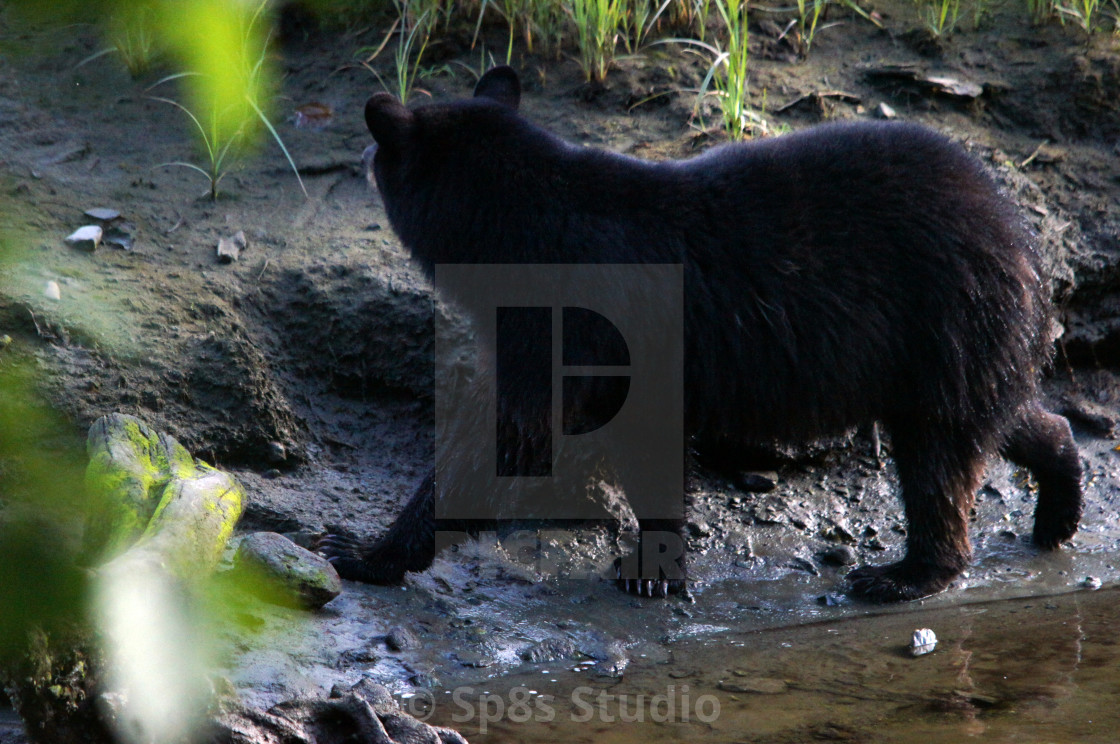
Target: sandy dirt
{"points": [[305, 366]]}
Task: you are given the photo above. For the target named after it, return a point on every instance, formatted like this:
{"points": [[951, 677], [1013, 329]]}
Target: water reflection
{"points": [[1033, 670]]}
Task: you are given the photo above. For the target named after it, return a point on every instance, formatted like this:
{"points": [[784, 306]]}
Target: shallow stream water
{"points": [[1041, 669]]}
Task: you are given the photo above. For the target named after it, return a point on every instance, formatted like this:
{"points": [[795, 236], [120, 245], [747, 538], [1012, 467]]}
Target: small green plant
{"points": [[731, 80], [809, 15], [728, 71], [640, 22], [939, 16], [215, 142], [132, 37], [1083, 13], [226, 130], [598, 24], [703, 10], [415, 32], [406, 64]]}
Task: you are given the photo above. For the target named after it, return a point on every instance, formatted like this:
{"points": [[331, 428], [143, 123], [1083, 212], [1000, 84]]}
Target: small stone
{"points": [[803, 564], [120, 236], [474, 661], [884, 111], [839, 533], [401, 639], [277, 452], [425, 679], [85, 238], [104, 214], [1091, 582], [550, 649], [952, 86], [290, 575], [756, 482], [5, 341], [52, 290], [229, 249], [922, 642], [613, 668], [699, 528]]}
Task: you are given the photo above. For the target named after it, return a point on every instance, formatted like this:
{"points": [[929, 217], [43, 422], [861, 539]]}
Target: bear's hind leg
{"points": [[939, 472], [409, 544], [1043, 443]]}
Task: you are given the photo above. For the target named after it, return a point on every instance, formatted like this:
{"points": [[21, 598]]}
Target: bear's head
{"points": [[439, 164]]}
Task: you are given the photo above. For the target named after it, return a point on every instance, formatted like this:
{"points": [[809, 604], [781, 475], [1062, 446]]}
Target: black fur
{"points": [[837, 276]]}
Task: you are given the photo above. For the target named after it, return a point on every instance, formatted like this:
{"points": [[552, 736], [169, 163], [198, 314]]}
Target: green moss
{"points": [[126, 480]]}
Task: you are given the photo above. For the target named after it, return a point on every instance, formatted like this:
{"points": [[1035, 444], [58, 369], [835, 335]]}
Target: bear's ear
{"points": [[389, 121], [500, 84]]}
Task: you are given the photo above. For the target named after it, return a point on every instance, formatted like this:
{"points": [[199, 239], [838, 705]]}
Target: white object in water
{"points": [[922, 642]]}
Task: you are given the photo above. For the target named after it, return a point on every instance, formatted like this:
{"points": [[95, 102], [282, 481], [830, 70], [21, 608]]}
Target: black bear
{"points": [[838, 276]]}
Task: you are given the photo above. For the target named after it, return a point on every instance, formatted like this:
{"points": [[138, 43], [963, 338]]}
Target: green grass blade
{"points": [[276, 136]]}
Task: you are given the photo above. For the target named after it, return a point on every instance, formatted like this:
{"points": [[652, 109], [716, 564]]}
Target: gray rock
{"points": [[1091, 582], [757, 482], [229, 249], [292, 576], [366, 712], [119, 235], [104, 214], [401, 639], [550, 649], [85, 238], [277, 452]]}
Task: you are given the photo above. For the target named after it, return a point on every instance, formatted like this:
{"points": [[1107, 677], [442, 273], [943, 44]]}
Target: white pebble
{"points": [[85, 238], [922, 642], [52, 290]]}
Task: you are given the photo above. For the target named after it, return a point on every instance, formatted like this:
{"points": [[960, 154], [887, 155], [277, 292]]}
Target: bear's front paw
{"points": [[898, 582]]}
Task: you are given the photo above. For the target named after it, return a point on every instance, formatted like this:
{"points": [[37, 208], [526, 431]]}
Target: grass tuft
{"points": [[598, 28]]}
